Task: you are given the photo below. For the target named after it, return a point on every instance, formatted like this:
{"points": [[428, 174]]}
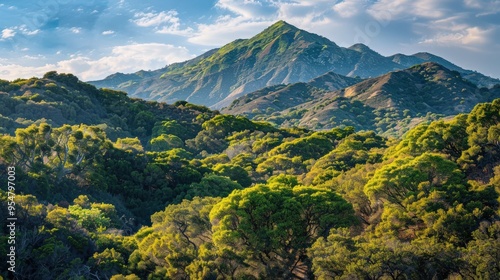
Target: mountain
{"points": [[333, 81], [281, 97], [370, 63], [419, 58], [389, 104], [281, 54]]}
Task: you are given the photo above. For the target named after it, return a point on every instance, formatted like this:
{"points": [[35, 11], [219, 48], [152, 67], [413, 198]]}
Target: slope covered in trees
{"points": [[199, 195]]}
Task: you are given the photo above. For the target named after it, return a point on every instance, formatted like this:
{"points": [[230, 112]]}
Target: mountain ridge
{"points": [[280, 54], [389, 104]]}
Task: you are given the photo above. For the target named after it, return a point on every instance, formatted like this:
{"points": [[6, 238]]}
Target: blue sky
{"points": [[93, 39]]}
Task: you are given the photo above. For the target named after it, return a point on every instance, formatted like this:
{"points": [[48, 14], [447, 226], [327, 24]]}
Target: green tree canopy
{"points": [[270, 228]]}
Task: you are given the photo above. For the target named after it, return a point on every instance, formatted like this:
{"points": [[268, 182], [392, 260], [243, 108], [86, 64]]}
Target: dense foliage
{"points": [[127, 189]]}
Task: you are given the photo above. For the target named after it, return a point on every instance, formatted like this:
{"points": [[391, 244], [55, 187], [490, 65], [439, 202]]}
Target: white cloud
{"points": [[383, 9], [254, 16], [8, 33], [349, 8], [397, 9], [245, 19], [14, 71], [108, 32], [174, 30], [227, 29], [476, 36], [22, 29], [428, 8], [163, 22], [456, 30], [75, 30], [249, 8], [34, 57], [470, 36], [473, 3], [453, 23], [25, 31], [487, 6], [126, 59], [155, 19]]}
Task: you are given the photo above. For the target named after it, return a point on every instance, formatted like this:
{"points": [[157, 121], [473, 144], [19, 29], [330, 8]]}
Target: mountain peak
{"points": [[277, 29], [282, 29], [281, 24], [431, 68], [360, 48]]}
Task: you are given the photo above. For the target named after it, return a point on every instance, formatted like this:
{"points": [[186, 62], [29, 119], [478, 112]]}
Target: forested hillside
{"points": [[109, 187]]}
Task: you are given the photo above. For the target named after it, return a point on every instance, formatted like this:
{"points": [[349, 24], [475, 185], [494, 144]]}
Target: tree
{"points": [[331, 256], [483, 253], [350, 185], [124, 277], [77, 148], [31, 147], [107, 263], [428, 196], [173, 241], [308, 147], [270, 228], [210, 185], [483, 153], [59, 151], [132, 145], [165, 142], [359, 148], [342, 256], [447, 137], [405, 177], [281, 164], [235, 173]]}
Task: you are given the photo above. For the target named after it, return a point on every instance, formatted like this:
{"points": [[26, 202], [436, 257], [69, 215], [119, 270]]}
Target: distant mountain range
{"points": [[389, 104], [281, 54]]}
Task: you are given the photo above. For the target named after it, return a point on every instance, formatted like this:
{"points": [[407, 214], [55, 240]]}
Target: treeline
{"points": [[182, 192]]}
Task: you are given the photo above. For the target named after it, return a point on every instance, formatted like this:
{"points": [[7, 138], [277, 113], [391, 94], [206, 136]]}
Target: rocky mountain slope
{"points": [[281, 97], [389, 104]]}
